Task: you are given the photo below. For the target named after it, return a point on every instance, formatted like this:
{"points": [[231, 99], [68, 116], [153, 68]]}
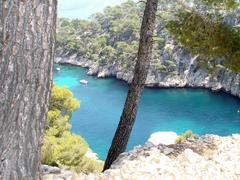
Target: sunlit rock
{"points": [[166, 138]]}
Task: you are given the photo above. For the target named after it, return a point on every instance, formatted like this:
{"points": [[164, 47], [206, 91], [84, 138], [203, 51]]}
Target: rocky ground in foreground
{"points": [[208, 157]]}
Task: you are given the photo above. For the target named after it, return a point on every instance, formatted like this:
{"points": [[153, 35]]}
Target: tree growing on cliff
{"points": [[26, 76], [203, 29], [128, 116]]}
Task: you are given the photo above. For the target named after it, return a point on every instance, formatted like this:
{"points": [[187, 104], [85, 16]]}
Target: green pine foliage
{"points": [[161, 68], [62, 148], [223, 4], [207, 34]]}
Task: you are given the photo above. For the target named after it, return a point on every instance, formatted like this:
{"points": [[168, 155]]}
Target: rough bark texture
{"points": [[128, 116], [25, 83]]}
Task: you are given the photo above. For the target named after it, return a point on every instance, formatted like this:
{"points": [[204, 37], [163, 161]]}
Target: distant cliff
{"points": [[187, 73], [107, 45]]}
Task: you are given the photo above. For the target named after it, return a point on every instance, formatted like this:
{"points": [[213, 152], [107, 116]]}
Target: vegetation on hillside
{"points": [[206, 33], [112, 37], [61, 147]]}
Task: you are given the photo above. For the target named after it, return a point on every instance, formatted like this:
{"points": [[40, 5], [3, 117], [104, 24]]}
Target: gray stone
{"points": [[50, 169], [168, 151]]}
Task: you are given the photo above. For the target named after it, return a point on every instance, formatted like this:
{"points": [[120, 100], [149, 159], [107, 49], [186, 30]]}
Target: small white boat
{"points": [[58, 69], [83, 81]]}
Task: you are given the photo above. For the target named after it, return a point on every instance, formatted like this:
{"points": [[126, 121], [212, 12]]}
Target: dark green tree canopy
{"points": [[204, 32]]}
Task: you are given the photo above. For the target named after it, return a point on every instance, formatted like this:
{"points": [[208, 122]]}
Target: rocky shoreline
{"points": [[206, 157], [188, 74], [171, 65]]}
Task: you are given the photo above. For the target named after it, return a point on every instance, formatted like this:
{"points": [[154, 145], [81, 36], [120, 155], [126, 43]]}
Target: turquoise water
{"points": [[160, 110]]}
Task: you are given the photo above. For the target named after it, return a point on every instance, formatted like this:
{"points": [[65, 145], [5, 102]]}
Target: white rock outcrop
{"points": [[165, 138], [210, 157]]}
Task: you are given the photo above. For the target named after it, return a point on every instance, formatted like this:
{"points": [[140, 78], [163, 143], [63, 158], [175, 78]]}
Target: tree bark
{"points": [[28, 40], [128, 116]]}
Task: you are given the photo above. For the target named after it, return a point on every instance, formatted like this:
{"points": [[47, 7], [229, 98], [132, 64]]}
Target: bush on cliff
{"points": [[62, 148], [185, 136]]}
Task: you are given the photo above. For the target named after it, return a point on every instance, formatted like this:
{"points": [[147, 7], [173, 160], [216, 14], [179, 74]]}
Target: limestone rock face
{"points": [[104, 73], [186, 73], [208, 157]]}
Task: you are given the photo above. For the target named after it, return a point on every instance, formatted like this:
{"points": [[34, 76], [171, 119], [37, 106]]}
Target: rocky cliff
{"points": [[183, 71], [207, 157]]}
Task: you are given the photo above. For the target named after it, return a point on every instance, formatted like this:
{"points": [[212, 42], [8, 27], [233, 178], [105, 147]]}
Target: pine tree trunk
{"points": [[128, 116], [28, 38]]}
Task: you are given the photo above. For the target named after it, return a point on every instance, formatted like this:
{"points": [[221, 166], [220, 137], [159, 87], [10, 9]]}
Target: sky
{"points": [[82, 9]]}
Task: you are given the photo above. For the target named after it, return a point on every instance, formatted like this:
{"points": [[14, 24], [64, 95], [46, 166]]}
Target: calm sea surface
{"points": [[175, 110]]}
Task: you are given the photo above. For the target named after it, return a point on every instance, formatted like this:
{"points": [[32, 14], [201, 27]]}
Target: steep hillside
{"points": [[107, 45]]}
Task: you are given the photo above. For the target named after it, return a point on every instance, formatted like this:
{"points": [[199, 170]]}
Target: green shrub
{"points": [[170, 63], [160, 41], [174, 73], [62, 148], [88, 165], [63, 100], [180, 140], [161, 68], [187, 135]]}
